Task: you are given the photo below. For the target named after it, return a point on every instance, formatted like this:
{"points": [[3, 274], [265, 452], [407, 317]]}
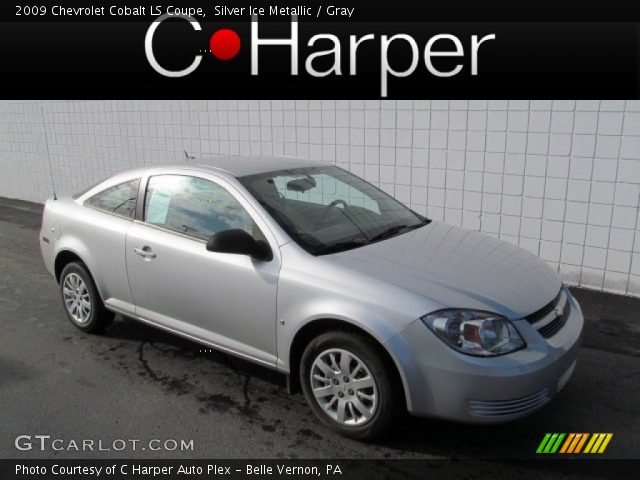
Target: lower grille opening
{"points": [[479, 408]]}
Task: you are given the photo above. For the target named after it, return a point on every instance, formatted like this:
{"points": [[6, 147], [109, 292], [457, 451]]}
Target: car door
{"points": [[225, 299]]}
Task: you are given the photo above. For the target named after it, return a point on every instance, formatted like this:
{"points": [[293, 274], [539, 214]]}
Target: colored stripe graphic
{"points": [[581, 443], [543, 443], [550, 443], [606, 441], [573, 443], [598, 443], [591, 442], [567, 443], [556, 445]]}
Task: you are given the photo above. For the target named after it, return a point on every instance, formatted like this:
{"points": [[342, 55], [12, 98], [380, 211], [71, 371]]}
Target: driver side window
{"points": [[194, 206]]}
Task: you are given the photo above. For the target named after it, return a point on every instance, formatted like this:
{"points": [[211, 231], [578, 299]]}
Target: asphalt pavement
{"points": [[135, 382]]}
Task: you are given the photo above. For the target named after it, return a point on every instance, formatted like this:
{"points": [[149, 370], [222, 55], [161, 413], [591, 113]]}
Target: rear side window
{"points": [[120, 200], [194, 206]]}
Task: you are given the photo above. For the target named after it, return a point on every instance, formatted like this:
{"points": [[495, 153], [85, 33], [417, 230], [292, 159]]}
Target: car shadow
{"points": [[125, 328], [409, 436]]}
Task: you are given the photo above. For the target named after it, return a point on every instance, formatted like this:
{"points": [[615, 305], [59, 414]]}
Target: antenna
{"points": [[46, 140], [189, 157]]}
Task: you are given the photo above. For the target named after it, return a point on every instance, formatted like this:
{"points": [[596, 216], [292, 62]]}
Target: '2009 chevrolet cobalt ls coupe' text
{"points": [[367, 306]]}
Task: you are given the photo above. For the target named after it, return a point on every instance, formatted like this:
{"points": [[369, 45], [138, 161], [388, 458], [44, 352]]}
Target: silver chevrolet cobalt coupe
{"points": [[368, 307]]}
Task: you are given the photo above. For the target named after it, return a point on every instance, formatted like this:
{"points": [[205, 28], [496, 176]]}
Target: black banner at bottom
{"points": [[129, 469]]}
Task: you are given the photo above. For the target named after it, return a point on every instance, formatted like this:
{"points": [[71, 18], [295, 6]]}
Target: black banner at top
{"points": [[266, 50], [326, 10]]}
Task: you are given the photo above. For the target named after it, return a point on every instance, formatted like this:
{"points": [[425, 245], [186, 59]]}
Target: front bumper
{"points": [[440, 382]]}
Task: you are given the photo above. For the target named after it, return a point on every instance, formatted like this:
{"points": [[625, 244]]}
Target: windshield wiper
{"points": [[339, 247], [391, 231]]}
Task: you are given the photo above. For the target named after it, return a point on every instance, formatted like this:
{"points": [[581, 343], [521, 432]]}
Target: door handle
{"points": [[145, 252]]}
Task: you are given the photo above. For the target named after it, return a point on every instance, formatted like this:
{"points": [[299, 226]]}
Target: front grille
{"points": [[552, 317], [553, 327], [544, 311], [497, 408]]}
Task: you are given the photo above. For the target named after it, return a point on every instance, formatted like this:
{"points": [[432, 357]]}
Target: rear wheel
{"points": [[347, 385], [81, 300]]}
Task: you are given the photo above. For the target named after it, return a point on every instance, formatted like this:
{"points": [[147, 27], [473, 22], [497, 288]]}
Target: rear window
{"points": [[85, 190], [119, 200]]}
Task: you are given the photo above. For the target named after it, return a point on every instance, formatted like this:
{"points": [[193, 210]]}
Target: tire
{"points": [[80, 299], [372, 407]]}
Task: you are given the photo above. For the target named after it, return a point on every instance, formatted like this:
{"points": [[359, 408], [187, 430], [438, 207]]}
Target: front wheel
{"points": [[347, 384], [81, 300]]}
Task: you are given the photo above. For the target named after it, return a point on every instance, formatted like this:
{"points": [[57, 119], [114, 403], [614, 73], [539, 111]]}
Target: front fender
{"points": [[310, 290]]}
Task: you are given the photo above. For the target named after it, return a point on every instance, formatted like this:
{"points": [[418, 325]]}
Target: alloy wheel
{"points": [[76, 297], [344, 387]]}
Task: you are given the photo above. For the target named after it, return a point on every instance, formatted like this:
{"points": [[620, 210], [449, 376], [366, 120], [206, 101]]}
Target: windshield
{"points": [[326, 209]]}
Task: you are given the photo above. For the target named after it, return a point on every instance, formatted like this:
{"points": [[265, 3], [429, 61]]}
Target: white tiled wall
{"points": [[559, 178]]}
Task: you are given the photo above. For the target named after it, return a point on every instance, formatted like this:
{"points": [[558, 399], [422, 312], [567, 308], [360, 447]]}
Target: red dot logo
{"points": [[224, 44]]}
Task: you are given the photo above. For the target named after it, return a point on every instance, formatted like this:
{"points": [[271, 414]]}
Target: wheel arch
{"points": [[318, 326], [66, 256], [63, 258]]}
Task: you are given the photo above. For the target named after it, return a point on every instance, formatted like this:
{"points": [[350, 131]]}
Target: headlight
{"points": [[477, 333]]}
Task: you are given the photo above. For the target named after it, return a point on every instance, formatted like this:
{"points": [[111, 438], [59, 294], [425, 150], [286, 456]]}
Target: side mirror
{"points": [[239, 242]]}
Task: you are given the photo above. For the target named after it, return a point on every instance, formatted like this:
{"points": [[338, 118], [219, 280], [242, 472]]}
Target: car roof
{"points": [[240, 166], [234, 166]]}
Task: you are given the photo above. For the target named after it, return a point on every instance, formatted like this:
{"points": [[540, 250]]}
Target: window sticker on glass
{"points": [[158, 207]]}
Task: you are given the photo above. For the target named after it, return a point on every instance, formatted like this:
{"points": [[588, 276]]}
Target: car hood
{"points": [[458, 268]]}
